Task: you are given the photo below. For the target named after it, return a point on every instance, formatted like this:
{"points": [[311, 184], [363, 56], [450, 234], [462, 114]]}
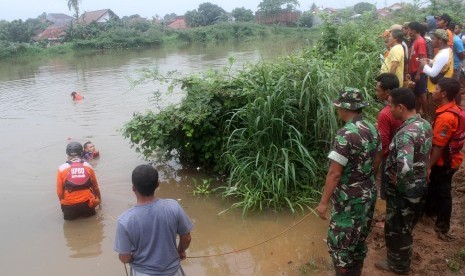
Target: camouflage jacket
{"points": [[409, 154], [355, 148]]}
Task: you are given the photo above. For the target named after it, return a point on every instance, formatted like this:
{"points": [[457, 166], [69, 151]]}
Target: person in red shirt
{"points": [[77, 186], [442, 169], [76, 96], [387, 125], [418, 52]]}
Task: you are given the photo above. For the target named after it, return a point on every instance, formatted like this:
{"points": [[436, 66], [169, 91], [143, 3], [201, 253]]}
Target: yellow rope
{"points": [[257, 244], [245, 248]]}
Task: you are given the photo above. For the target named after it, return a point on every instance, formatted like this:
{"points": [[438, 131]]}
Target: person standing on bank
{"points": [[445, 157], [350, 184], [405, 172], [146, 233], [77, 186], [387, 125], [417, 53], [394, 63]]}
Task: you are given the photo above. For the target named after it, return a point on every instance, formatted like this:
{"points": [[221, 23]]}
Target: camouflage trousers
{"points": [[402, 213], [349, 227]]}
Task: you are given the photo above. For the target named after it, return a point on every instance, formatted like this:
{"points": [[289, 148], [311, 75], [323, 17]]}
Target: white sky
{"points": [[23, 9]]}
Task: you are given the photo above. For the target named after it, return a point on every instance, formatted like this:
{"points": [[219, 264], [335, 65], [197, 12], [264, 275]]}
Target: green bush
{"points": [[269, 127]]}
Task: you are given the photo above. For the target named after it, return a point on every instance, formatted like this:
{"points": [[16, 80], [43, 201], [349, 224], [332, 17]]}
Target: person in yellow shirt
{"points": [[394, 62]]}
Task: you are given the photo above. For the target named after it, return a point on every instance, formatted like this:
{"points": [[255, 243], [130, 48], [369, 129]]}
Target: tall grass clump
{"points": [[268, 127]]}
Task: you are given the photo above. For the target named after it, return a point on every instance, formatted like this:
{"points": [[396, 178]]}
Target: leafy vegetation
{"points": [[206, 14], [269, 126]]}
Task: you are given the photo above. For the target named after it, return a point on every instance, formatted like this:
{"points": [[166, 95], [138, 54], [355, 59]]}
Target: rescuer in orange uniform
{"points": [[77, 186]]}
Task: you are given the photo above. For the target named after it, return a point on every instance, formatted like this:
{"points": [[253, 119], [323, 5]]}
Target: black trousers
{"points": [[439, 200], [71, 212]]}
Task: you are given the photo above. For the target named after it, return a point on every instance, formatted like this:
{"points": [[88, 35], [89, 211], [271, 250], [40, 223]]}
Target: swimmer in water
{"points": [[89, 151], [76, 96]]}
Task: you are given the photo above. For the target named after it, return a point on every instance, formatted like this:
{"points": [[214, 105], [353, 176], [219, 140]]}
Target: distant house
{"points": [[383, 12], [178, 23], [53, 35], [283, 17], [59, 19], [396, 6], [100, 16]]}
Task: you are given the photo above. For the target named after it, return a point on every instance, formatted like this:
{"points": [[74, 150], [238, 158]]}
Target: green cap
{"points": [[441, 34], [350, 98]]}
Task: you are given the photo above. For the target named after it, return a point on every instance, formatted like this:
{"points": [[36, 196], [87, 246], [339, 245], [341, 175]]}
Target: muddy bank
{"points": [[431, 256]]}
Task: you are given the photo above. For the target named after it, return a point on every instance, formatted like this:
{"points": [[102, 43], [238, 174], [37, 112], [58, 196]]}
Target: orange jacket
{"points": [[444, 127], [78, 196]]}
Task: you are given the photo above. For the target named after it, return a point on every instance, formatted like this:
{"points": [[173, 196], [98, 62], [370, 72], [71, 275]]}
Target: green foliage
{"points": [[269, 7], [243, 15], [193, 131], [120, 38], [306, 19], [203, 188], [206, 14], [269, 126], [362, 7], [457, 262]]}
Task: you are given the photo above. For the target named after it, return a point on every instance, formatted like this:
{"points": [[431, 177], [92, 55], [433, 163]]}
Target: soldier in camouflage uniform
{"points": [[350, 183], [406, 168]]}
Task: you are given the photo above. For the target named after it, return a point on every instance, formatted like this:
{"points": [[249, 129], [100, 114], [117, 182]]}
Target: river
{"points": [[38, 119]]}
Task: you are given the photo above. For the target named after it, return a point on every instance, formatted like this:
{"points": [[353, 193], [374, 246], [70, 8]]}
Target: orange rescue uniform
{"points": [[444, 127], [77, 196]]}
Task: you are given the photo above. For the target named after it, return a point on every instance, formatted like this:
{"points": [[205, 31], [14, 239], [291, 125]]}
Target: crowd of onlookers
{"points": [[420, 53], [416, 145]]}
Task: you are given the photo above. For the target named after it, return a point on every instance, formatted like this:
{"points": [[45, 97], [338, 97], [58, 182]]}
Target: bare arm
{"points": [[184, 242], [394, 66], [436, 152], [125, 258], [461, 55], [332, 180]]}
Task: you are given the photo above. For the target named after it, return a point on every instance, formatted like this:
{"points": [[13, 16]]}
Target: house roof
{"points": [[51, 33], [178, 23], [59, 16], [89, 17]]}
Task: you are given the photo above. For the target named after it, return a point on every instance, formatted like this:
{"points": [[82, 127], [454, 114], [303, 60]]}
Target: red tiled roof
{"points": [[89, 17], [51, 33], [178, 23]]}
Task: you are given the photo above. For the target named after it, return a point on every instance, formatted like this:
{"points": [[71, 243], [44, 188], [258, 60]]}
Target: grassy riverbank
{"points": [[119, 38], [269, 126]]}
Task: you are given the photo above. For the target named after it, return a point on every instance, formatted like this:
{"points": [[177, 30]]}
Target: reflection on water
{"points": [[38, 118], [84, 237]]}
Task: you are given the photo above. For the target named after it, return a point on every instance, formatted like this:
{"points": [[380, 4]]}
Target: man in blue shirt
{"points": [[146, 233], [459, 56]]}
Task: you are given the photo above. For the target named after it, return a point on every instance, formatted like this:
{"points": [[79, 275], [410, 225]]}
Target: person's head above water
{"points": [[89, 147], [74, 149], [76, 96]]}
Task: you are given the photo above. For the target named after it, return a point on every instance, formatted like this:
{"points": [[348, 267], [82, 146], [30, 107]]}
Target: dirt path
{"points": [[431, 256]]}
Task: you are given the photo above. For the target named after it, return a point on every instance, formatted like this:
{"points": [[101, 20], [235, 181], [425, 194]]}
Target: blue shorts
{"points": [[420, 86]]}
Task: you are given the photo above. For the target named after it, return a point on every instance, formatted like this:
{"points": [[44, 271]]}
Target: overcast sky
{"points": [[23, 9]]}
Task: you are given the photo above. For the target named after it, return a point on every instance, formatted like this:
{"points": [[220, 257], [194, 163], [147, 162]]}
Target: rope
{"points": [[254, 245], [245, 248], [126, 269]]}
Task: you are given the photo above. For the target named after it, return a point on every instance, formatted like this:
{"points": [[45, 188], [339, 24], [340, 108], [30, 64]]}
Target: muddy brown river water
{"points": [[37, 119]]}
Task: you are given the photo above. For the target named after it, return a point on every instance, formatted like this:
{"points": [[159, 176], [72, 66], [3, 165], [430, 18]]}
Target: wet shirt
{"points": [[409, 154], [355, 147], [445, 125], [79, 196]]}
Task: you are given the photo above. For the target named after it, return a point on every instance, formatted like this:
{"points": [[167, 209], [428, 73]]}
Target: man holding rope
{"points": [[350, 183], [146, 233]]}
